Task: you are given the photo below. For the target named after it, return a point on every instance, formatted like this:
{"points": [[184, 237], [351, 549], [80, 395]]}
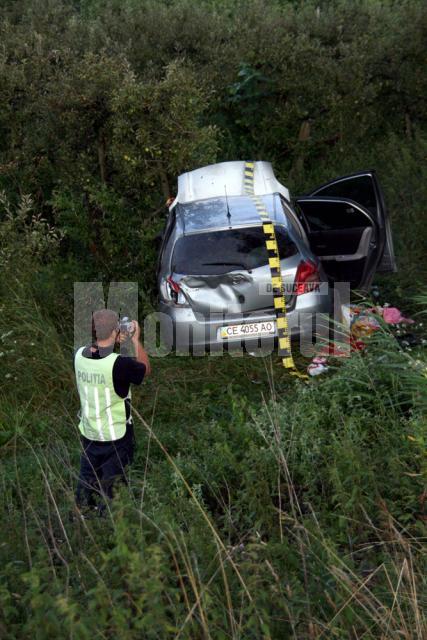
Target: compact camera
{"points": [[127, 327]]}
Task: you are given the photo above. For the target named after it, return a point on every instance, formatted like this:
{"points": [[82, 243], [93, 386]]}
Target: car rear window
{"points": [[212, 212], [217, 252]]}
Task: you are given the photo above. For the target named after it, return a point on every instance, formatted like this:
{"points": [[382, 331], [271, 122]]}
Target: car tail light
{"points": [[175, 291], [307, 277]]}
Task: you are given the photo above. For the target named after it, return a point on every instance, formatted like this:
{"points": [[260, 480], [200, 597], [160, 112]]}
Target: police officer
{"points": [[103, 381]]}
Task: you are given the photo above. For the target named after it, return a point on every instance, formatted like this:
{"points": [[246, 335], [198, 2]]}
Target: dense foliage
{"points": [[102, 105], [258, 507]]}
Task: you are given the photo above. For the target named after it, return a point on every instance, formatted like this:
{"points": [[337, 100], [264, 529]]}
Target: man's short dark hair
{"points": [[104, 322]]}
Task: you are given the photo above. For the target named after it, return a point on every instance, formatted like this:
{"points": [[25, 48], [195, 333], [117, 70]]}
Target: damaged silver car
{"points": [[214, 278]]}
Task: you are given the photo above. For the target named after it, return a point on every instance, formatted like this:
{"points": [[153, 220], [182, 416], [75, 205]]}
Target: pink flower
{"points": [[392, 315]]}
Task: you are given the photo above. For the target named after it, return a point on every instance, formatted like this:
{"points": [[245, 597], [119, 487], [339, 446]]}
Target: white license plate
{"points": [[249, 329]]}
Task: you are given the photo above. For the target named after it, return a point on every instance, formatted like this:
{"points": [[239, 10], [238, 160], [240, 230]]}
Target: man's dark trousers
{"points": [[101, 464]]}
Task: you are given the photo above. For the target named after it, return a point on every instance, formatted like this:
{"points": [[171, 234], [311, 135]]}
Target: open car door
{"points": [[348, 228]]}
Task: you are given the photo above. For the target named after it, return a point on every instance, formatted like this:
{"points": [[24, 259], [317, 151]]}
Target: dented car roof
{"points": [[226, 179]]}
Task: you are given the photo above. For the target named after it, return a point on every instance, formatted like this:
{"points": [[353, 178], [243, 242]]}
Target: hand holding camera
{"points": [[128, 329]]}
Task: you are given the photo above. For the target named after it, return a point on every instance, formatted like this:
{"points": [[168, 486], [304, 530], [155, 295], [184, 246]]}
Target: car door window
{"points": [[359, 188], [364, 188], [342, 234], [330, 215]]}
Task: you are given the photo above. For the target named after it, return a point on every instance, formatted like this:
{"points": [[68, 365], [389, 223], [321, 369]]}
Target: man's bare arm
{"points": [[140, 353]]}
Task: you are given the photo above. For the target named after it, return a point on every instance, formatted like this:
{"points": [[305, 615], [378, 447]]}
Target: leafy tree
{"points": [[158, 131]]}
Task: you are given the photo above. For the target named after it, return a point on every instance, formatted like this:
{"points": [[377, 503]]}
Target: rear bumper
{"points": [[185, 331]]}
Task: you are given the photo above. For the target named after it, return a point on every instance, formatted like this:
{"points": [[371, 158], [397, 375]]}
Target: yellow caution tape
{"points": [[283, 342]]}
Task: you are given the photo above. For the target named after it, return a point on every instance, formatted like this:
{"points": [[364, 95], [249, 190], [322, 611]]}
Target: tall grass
{"points": [[298, 518]]}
